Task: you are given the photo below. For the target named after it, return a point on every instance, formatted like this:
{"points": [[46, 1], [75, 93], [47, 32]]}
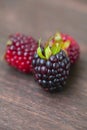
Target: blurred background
{"points": [[21, 100], [43, 18]]}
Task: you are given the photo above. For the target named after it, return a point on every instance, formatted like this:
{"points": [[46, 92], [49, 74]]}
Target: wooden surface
{"points": [[23, 104]]}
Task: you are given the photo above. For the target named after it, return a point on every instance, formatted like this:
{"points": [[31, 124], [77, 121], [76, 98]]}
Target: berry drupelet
{"points": [[20, 51], [51, 67]]}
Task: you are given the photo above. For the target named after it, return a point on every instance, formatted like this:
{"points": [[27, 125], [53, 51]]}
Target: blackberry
{"points": [[20, 51], [51, 69], [68, 44]]}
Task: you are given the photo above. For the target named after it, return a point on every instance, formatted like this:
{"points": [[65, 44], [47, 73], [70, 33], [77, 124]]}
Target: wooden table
{"points": [[23, 104]]}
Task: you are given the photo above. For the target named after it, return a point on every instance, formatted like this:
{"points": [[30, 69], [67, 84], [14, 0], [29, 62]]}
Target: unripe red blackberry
{"points": [[51, 67], [20, 50], [68, 44], [73, 49]]}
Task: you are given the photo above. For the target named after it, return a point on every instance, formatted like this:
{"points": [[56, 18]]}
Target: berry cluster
{"points": [[50, 64]]}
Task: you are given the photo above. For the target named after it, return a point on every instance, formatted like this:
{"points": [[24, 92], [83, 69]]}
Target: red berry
{"points": [[73, 49], [20, 51]]}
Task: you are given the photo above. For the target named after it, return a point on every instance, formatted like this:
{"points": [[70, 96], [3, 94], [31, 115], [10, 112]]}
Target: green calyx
{"points": [[53, 46], [48, 50], [9, 42], [39, 51], [57, 37]]}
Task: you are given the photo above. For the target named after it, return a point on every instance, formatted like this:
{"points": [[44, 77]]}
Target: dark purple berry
{"points": [[52, 73]]}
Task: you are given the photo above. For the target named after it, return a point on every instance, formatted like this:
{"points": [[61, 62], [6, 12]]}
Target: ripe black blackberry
{"points": [[51, 67]]}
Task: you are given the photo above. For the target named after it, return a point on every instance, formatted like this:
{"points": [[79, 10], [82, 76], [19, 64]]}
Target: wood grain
{"points": [[23, 104]]}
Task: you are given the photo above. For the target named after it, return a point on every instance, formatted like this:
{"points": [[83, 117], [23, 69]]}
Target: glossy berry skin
{"points": [[73, 50], [20, 52], [51, 74]]}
